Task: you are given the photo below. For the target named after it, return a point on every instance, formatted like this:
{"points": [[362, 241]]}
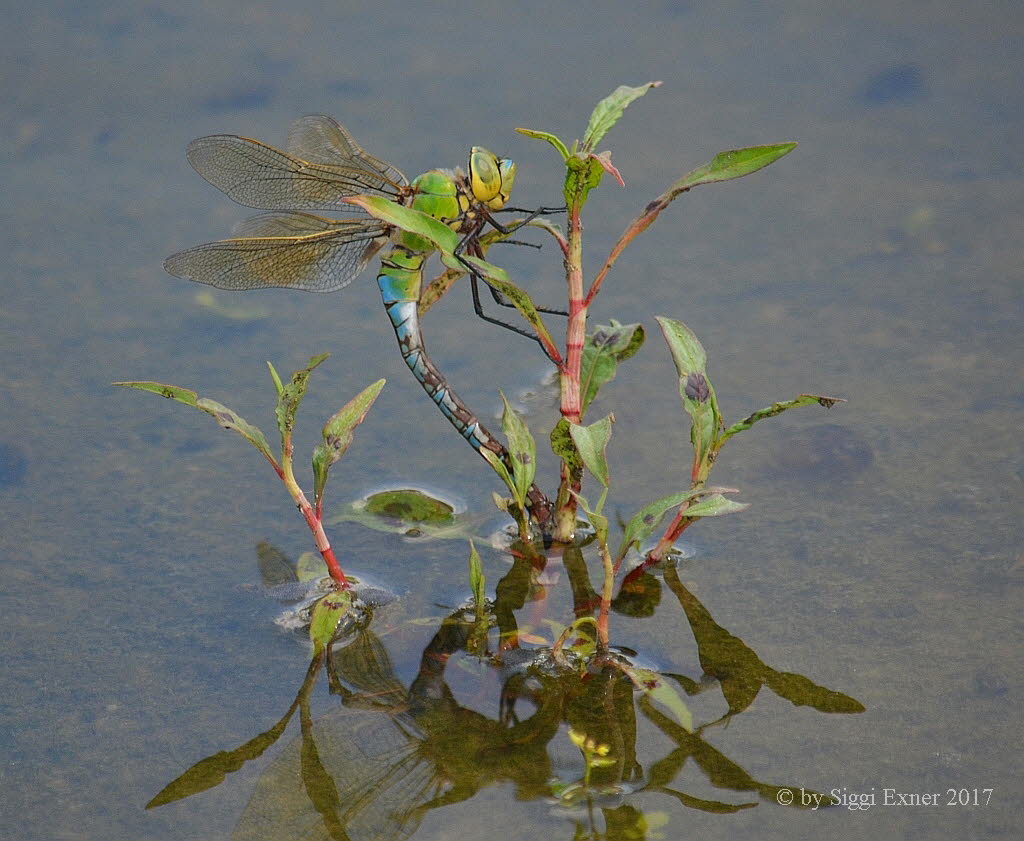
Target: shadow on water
{"points": [[390, 753]]}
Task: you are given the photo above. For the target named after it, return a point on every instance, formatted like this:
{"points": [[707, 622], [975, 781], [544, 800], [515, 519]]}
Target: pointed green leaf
{"points": [[658, 690], [278, 386], [290, 396], [327, 613], [646, 521], [608, 111], [499, 467], [410, 220], [171, 392], [230, 420], [604, 349], [687, 352], [550, 138], [715, 505], [779, 408], [223, 415], [734, 163], [521, 449], [583, 174], [597, 519], [591, 442], [338, 433], [477, 582], [562, 446], [497, 279]]}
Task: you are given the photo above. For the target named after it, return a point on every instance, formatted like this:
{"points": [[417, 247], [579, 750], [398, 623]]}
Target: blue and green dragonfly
{"points": [[293, 248]]}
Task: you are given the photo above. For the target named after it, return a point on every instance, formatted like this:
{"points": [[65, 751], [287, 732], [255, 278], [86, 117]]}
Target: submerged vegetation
{"points": [[567, 668]]}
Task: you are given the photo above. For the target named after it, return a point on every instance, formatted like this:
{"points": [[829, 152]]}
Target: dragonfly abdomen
{"points": [[400, 283]]}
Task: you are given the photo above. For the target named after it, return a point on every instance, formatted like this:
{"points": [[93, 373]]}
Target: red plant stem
{"points": [[323, 544]]}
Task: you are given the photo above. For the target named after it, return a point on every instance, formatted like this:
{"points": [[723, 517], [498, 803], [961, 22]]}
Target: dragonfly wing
{"points": [[317, 255], [256, 175], [323, 140]]}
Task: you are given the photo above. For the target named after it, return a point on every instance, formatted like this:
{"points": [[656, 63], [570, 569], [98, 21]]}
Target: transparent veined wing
{"points": [[257, 175], [290, 250], [323, 140]]}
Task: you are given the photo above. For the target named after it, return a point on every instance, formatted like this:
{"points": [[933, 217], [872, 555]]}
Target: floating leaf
{"points": [[409, 505], [327, 613], [604, 349], [591, 442], [609, 110], [290, 396], [338, 432], [779, 408], [550, 138], [655, 687], [521, 449]]}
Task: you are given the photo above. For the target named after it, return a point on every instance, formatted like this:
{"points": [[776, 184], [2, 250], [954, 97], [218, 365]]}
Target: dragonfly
{"points": [[295, 248]]}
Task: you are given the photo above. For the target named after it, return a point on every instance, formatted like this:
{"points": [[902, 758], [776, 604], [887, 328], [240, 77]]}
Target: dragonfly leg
{"points": [[479, 310]]}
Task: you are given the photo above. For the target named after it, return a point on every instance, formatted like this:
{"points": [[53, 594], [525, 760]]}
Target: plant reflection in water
{"points": [[373, 768]]}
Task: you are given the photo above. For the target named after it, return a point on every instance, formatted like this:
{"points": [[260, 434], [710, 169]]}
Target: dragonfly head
{"points": [[490, 177]]}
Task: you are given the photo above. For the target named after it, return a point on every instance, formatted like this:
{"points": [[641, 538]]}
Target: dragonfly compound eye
{"points": [[484, 174], [508, 176]]}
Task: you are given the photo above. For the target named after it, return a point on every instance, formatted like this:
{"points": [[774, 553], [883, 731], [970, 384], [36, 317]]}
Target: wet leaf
{"points": [[609, 110], [338, 433], [521, 449], [655, 687], [591, 442], [409, 505], [604, 349], [327, 613]]}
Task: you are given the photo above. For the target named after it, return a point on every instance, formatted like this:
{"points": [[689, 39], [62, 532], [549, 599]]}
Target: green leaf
{"points": [[604, 349], [715, 505], [644, 523], [563, 446], [477, 582], [583, 174], [338, 433], [278, 386], [778, 409], [499, 467], [597, 519], [290, 396], [655, 687], [497, 279], [550, 138], [327, 613], [521, 449], [591, 442], [695, 389], [734, 163], [410, 220], [609, 110], [687, 352]]}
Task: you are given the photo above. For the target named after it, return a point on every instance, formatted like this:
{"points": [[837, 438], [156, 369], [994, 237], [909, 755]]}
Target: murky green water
{"points": [[881, 557]]}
